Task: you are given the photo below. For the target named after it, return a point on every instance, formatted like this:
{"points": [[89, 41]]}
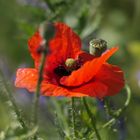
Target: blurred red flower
{"points": [[89, 76]]}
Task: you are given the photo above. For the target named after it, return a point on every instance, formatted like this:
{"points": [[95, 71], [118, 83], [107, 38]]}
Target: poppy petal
{"points": [[65, 44], [112, 76], [88, 70], [34, 43], [54, 90], [93, 89], [84, 56], [26, 78]]}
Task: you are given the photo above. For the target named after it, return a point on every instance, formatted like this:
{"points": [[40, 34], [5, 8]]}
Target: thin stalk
{"points": [[13, 102], [107, 107], [109, 123], [37, 93], [73, 117], [119, 111], [46, 31], [93, 120], [61, 116]]}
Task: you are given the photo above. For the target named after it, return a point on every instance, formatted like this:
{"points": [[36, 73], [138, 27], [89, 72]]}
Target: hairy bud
{"points": [[47, 30]]}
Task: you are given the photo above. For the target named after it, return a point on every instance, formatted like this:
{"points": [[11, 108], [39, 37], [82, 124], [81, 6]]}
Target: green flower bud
{"points": [[97, 47], [47, 30]]}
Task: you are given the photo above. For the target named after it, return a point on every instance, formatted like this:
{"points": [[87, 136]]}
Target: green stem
{"points": [[93, 120], [73, 117], [119, 111], [108, 123], [107, 108], [61, 116], [37, 93], [13, 102], [46, 31]]}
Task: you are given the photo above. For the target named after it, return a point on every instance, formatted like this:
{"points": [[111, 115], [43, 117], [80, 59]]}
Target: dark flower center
{"points": [[67, 68], [61, 71]]}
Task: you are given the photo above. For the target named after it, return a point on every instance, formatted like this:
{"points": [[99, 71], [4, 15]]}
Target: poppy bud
{"points": [[70, 64], [42, 47], [97, 47], [47, 30]]}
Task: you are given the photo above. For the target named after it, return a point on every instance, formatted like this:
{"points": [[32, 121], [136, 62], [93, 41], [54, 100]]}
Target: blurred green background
{"points": [[117, 22]]}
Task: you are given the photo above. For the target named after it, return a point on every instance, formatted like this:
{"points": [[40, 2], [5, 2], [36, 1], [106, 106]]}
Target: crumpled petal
{"points": [[26, 78], [65, 44], [87, 71], [108, 81], [83, 57], [34, 44], [112, 76], [54, 90], [93, 88]]}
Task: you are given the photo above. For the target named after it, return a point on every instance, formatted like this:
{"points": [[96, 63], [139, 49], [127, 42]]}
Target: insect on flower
{"points": [[68, 70]]}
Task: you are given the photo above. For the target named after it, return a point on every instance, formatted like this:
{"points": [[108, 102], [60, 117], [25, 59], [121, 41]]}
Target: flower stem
{"points": [[60, 116], [47, 31], [93, 120], [119, 111], [13, 102], [37, 93], [73, 117]]}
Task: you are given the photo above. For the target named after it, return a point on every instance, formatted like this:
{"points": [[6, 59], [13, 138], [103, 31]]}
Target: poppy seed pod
{"points": [[70, 64], [97, 47]]}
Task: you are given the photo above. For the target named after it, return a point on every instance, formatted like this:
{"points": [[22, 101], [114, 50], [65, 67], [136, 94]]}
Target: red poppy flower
{"points": [[89, 76]]}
